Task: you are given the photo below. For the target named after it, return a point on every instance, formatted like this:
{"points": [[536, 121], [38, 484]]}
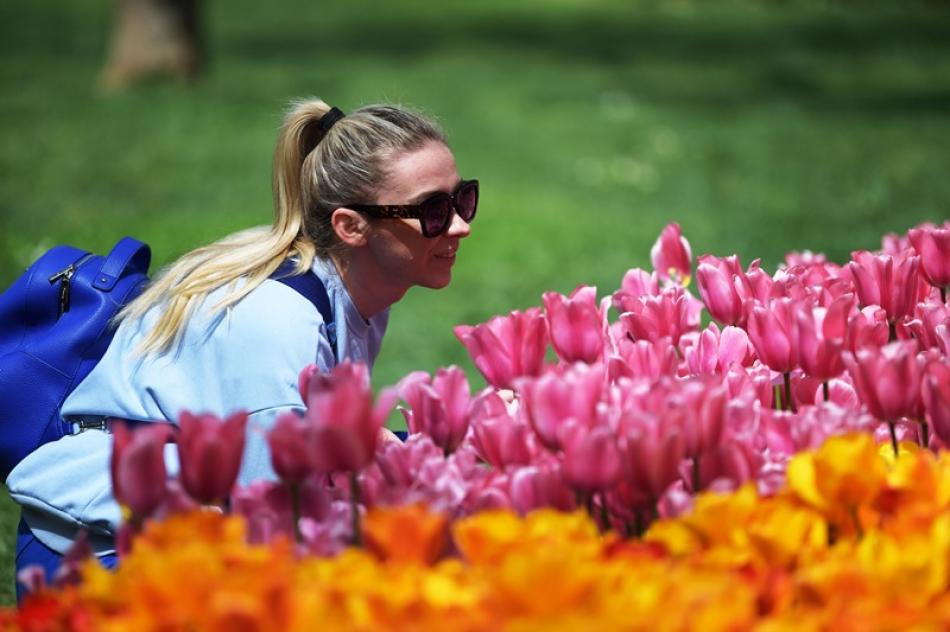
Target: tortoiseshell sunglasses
{"points": [[435, 212]]}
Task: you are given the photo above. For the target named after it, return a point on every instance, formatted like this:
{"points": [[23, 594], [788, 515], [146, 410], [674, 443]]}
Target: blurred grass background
{"points": [[760, 126]]}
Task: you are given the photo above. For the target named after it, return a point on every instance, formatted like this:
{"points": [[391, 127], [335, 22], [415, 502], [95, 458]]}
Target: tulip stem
{"points": [[892, 331], [826, 391], [943, 295], [893, 429], [355, 501], [777, 398], [853, 510], [604, 517], [295, 509], [789, 400], [697, 478], [924, 435]]}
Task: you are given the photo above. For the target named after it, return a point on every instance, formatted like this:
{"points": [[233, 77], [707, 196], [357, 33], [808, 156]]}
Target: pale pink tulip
{"points": [[933, 247], [345, 420], [507, 347], [889, 281], [773, 331], [210, 451], [671, 255], [138, 466], [577, 324], [936, 399], [438, 406]]}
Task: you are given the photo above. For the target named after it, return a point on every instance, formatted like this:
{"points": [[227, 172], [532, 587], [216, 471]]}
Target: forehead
{"points": [[428, 169]]}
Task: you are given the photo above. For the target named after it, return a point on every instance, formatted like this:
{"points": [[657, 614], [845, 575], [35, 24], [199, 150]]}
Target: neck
{"points": [[367, 287]]}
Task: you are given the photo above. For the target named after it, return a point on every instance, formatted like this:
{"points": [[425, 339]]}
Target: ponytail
{"points": [[315, 171]]}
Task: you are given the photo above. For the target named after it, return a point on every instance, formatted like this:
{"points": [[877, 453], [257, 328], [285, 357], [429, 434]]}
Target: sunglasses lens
{"points": [[436, 215], [467, 200]]}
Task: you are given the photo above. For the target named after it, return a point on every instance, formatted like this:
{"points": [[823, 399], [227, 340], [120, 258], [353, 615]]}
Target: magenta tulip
{"points": [[346, 422], [138, 467], [671, 255], [887, 380], [671, 314], [936, 399], [889, 281], [773, 331], [821, 338], [553, 400], [577, 324], [210, 451], [507, 347], [591, 458], [933, 247], [438, 406]]}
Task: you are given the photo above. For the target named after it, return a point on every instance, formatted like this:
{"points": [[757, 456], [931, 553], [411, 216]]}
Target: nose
{"points": [[459, 227]]}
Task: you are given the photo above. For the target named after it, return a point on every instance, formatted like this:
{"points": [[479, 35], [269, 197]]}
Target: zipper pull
{"points": [[64, 277]]}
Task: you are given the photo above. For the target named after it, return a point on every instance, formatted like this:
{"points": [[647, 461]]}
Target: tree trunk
{"points": [[153, 38]]}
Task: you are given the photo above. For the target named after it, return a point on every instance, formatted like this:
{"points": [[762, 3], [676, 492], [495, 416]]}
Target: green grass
{"points": [[761, 127]]}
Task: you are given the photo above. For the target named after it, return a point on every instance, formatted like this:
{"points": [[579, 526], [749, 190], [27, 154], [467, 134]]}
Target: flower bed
{"points": [[782, 466]]}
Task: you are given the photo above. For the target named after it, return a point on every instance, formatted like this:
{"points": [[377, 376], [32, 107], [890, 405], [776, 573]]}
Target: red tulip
{"points": [[591, 458], [346, 422], [438, 406], [138, 466], [887, 380], [671, 255], [210, 452], [933, 247], [936, 399], [507, 347], [886, 280], [773, 331], [577, 324], [292, 444]]}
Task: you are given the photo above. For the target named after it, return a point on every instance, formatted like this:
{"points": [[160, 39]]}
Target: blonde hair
{"points": [[314, 174]]}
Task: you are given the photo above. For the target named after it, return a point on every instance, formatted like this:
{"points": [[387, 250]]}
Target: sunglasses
{"points": [[434, 212]]}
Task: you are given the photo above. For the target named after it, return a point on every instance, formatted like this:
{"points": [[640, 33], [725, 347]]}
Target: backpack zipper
{"points": [[64, 277]]}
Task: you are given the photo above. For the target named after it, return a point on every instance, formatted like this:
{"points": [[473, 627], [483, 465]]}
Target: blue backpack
{"points": [[56, 322]]}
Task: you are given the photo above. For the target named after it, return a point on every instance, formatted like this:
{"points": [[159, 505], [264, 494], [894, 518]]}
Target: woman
{"points": [[371, 203]]}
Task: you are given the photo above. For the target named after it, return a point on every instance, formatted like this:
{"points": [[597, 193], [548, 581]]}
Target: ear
{"points": [[351, 227]]}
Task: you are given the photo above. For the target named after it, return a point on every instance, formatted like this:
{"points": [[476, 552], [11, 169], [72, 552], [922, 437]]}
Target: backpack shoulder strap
{"points": [[310, 287]]}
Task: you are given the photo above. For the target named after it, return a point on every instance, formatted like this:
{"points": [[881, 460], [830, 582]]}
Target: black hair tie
{"points": [[328, 120]]}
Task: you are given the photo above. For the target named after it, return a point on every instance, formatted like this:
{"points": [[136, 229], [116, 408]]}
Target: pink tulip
{"points": [[936, 399], [537, 486], [210, 452], [933, 247], [636, 283], [267, 507], [346, 423], [438, 406], [716, 351], [715, 279], [642, 359], [292, 445], [303, 381], [553, 400], [507, 347], [577, 324], [754, 382], [887, 380], [652, 452], [671, 255], [922, 325], [867, 328], [592, 460], [698, 405], [886, 280], [821, 338], [138, 466], [671, 314], [773, 331], [728, 466], [502, 441]]}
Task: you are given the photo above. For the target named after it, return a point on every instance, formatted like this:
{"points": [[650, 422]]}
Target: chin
{"points": [[437, 281]]}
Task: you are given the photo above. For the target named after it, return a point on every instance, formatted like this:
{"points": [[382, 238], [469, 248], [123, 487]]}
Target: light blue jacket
{"points": [[245, 358]]}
